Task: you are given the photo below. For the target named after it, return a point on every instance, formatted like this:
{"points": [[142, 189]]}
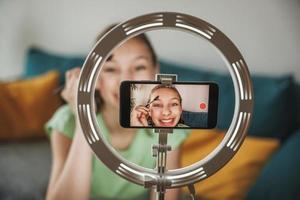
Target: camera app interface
{"points": [[176, 105]]}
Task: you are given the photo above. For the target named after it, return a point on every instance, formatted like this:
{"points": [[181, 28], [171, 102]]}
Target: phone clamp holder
{"points": [[160, 151]]}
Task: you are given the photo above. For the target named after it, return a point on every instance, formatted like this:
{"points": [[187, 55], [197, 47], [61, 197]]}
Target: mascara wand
{"points": [[148, 104]]}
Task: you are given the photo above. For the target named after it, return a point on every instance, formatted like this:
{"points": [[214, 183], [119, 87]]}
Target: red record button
{"points": [[202, 106]]}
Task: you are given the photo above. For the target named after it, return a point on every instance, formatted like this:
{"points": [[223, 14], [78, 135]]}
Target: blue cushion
{"points": [[296, 95], [280, 178], [195, 119], [39, 62]]}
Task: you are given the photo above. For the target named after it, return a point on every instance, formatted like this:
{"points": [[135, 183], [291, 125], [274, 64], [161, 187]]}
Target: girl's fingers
{"points": [[72, 81], [142, 108], [142, 111], [140, 114], [136, 120], [69, 83], [72, 72], [76, 72], [143, 120]]}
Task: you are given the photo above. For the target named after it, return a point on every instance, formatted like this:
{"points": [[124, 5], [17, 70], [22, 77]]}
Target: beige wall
{"points": [[266, 32]]}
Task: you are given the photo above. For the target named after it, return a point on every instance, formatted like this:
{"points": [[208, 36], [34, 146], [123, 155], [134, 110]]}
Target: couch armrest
{"points": [[280, 178]]}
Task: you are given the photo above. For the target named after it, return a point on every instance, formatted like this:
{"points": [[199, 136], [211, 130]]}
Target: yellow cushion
{"points": [[235, 178], [25, 106]]}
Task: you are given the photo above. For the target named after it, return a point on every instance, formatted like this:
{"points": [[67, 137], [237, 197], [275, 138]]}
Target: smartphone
{"points": [[181, 105]]}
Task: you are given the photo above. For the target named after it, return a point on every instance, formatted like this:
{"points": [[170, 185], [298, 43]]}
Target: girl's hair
{"points": [[143, 38], [164, 86], [150, 122]]}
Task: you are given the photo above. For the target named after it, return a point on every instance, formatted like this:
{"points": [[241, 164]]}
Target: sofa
{"points": [[25, 163]]}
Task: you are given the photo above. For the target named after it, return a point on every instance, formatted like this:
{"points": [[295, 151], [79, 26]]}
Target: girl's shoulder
{"points": [[64, 110], [63, 120]]}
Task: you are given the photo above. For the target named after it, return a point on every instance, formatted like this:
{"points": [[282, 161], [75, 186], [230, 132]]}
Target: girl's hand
{"points": [[139, 116], [71, 86]]}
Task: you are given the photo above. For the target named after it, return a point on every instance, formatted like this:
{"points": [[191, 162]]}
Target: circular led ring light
{"points": [[243, 99]]}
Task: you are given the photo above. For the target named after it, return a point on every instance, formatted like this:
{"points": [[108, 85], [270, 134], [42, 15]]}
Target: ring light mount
{"points": [[243, 99]]}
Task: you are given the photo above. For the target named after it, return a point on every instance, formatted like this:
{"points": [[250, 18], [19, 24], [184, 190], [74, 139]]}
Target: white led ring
{"points": [[243, 98]]}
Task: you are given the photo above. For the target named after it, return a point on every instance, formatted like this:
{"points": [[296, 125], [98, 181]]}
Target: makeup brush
{"points": [[148, 104]]}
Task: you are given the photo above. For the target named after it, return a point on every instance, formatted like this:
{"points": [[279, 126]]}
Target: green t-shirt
{"points": [[106, 184]]}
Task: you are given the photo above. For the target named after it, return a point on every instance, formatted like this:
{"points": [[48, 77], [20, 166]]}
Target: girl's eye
{"points": [[109, 69], [140, 68], [156, 105], [175, 104]]}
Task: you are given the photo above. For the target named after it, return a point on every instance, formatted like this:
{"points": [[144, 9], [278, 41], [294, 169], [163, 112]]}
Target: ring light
{"points": [[243, 99]]}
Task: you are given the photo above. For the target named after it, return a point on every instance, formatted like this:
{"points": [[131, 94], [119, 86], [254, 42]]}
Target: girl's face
{"points": [[131, 61], [165, 111]]}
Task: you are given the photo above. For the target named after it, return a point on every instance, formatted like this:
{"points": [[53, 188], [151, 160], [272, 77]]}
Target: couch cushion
{"points": [[296, 95], [25, 105], [39, 61], [280, 177], [235, 178]]}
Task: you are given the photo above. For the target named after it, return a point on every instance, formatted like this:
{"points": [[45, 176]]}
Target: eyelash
{"points": [[158, 105], [140, 67], [110, 69]]}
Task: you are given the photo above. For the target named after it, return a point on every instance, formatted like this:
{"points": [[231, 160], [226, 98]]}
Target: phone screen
{"points": [[150, 104]]}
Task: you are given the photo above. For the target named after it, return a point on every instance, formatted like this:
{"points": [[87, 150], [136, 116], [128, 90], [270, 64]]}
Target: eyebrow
{"points": [[174, 98], [111, 58], [142, 57]]}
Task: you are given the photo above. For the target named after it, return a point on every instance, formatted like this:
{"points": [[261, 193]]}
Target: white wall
{"points": [[266, 32]]}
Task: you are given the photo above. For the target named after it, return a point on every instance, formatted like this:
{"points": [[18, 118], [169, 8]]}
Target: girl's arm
{"points": [[172, 163], [71, 167]]}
